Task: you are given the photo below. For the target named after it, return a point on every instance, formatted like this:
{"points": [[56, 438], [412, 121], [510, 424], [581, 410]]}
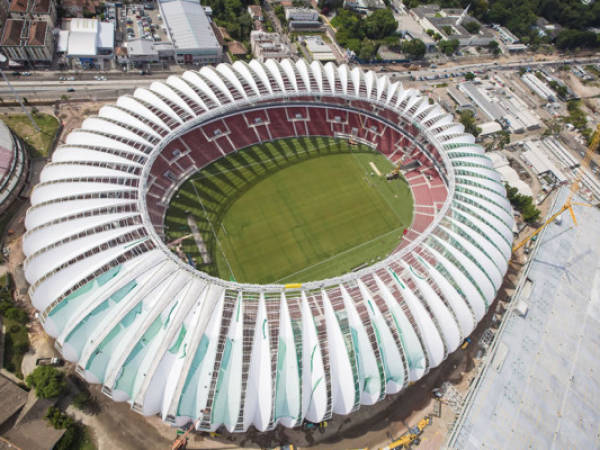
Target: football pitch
{"points": [[291, 210]]}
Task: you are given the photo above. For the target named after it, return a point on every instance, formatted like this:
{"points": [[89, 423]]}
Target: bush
{"points": [[58, 419], [48, 381], [448, 47], [415, 48], [472, 27], [75, 437], [467, 118], [523, 204]]}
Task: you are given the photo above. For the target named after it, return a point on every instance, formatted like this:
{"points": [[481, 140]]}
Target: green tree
{"points": [[368, 50], [448, 48], [523, 204], [447, 30], [570, 39], [494, 47], [48, 381], [467, 118], [472, 27], [469, 76], [379, 24], [414, 49]]}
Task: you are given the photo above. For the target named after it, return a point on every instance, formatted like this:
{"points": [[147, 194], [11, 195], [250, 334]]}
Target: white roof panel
{"points": [[188, 25]]}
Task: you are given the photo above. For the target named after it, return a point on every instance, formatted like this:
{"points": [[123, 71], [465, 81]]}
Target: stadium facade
{"points": [[176, 342]]}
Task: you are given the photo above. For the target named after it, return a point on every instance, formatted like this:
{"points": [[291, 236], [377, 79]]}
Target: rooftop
{"points": [[12, 32], [540, 387], [140, 46], [36, 6], [13, 397], [31, 430], [37, 33], [188, 25], [82, 37], [18, 6]]}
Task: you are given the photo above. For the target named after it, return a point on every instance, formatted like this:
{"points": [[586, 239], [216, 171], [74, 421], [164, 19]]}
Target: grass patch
{"points": [[291, 210], [39, 143]]}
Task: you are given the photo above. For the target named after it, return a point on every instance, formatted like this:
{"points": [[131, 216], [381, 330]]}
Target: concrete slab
{"points": [[546, 393]]}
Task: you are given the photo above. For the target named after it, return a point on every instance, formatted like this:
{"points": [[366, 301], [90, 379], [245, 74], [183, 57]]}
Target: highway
{"points": [[34, 88], [79, 89]]}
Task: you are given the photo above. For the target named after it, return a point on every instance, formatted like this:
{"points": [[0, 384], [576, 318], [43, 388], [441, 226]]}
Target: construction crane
{"points": [[181, 442], [572, 191]]}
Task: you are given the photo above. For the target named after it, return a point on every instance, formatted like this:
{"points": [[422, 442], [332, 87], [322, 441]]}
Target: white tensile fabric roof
{"points": [[174, 341]]}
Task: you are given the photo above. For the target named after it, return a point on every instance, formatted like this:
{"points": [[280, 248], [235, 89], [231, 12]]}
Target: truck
{"points": [[49, 362]]}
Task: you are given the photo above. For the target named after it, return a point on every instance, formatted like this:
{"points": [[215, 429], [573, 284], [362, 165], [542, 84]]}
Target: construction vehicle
{"points": [[568, 205], [412, 437], [395, 173], [181, 441], [466, 343], [311, 426]]}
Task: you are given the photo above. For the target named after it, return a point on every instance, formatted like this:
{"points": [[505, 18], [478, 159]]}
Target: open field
{"points": [[290, 210], [40, 142]]}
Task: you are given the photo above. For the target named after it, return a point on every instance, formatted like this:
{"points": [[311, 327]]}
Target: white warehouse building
{"points": [[190, 32], [174, 341]]}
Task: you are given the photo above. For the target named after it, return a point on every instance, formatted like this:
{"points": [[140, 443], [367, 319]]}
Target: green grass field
{"points": [[292, 210]]}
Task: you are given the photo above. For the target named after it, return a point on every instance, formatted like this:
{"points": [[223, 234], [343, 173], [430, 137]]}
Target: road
{"points": [[88, 89], [485, 66]]}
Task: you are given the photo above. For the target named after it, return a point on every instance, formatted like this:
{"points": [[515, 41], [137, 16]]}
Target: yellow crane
{"points": [[572, 191]]}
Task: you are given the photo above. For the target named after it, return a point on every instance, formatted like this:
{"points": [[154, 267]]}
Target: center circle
{"points": [[290, 210]]}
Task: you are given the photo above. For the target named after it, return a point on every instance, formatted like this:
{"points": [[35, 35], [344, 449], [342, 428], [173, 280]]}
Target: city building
{"points": [[461, 101], [302, 19], [537, 155], [301, 14], [28, 41], [171, 340], [410, 29], [4, 6], [449, 23], [506, 35], [256, 13], [190, 32], [538, 86], [364, 5], [34, 10], [268, 46], [90, 43], [500, 104], [318, 49]]}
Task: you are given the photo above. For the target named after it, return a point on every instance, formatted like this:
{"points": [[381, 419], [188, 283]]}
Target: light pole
{"points": [[33, 122]]}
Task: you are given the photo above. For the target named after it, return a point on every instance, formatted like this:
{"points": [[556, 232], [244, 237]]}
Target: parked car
{"points": [[49, 362]]}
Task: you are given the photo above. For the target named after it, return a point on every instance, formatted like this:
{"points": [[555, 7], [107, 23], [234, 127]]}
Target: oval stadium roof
{"points": [[177, 342]]}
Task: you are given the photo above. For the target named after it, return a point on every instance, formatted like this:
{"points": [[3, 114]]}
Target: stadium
{"points": [[141, 317]]}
